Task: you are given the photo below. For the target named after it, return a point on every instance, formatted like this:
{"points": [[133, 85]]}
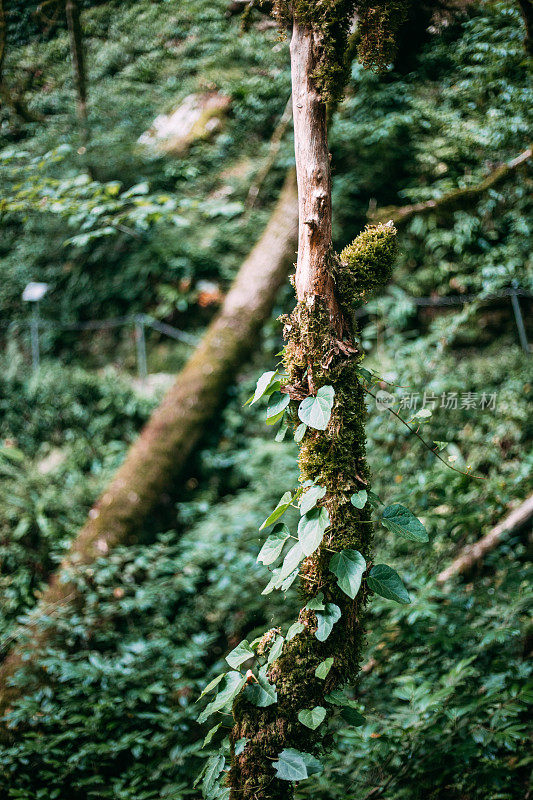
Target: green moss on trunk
{"points": [[336, 459]]}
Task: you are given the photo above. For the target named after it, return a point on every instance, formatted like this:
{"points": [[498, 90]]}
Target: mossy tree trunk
{"points": [[158, 457], [320, 351]]}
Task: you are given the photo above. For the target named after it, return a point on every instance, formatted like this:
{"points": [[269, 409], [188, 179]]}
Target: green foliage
{"points": [[143, 59], [400, 520], [385, 581], [311, 529], [115, 718], [295, 766], [326, 619], [323, 668], [349, 567], [312, 717], [315, 410]]}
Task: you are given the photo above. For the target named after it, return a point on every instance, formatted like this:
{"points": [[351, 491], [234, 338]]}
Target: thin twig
{"points": [[431, 450]]}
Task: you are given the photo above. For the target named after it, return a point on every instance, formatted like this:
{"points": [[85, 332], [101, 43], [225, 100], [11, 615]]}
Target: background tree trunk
{"points": [[157, 458], [72, 12]]}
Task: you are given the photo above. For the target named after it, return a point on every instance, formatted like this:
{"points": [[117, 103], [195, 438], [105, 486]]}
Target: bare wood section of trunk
{"points": [[472, 554], [160, 453], [312, 169]]}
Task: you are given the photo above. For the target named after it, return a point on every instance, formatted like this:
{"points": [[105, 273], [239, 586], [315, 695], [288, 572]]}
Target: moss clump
{"points": [[365, 264], [330, 22], [379, 23]]}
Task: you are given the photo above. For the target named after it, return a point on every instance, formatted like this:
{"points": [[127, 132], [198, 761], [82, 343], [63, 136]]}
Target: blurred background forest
{"points": [[119, 227]]}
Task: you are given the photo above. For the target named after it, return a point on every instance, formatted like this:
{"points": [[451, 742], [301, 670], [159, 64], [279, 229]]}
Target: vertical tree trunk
{"points": [[72, 12], [319, 352]]}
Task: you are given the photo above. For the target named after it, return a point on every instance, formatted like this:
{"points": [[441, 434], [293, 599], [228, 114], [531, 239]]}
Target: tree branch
{"points": [[472, 554], [454, 200]]}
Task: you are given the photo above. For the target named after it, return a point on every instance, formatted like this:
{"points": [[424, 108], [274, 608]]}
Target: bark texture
{"points": [[159, 455], [320, 351]]}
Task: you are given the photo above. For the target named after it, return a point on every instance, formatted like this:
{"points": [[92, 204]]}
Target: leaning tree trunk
{"points": [[157, 458], [320, 351]]}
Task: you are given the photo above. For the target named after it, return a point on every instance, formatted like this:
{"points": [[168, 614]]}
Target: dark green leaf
{"points": [[240, 744], [276, 409], [353, 717], [294, 630], [317, 603], [211, 685], [210, 734], [239, 654], [275, 650], [400, 520], [385, 581], [232, 686], [262, 693], [214, 767], [280, 509]]}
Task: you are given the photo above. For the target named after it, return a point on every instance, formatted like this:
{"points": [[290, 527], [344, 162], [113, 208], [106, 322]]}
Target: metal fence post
{"points": [[519, 319], [34, 330], [140, 342]]}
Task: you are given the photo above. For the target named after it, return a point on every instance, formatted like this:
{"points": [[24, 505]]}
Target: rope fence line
{"points": [[141, 321]]}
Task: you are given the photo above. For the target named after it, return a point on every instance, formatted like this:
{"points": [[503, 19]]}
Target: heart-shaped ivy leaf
{"points": [[359, 499], [274, 544], [311, 529], [316, 411], [326, 620], [349, 567], [317, 603], [262, 693], [292, 765], [312, 717], [311, 498]]}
